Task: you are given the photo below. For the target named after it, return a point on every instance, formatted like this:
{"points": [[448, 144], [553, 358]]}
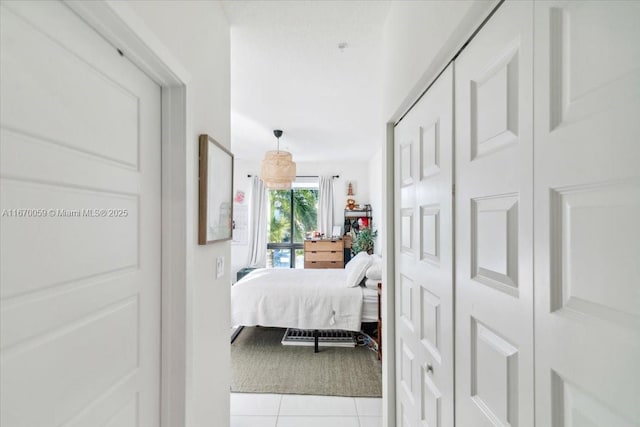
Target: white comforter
{"points": [[296, 298]]}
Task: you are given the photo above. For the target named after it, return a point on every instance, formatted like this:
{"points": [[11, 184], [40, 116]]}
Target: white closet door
{"points": [[424, 259], [494, 284], [587, 213], [80, 230]]}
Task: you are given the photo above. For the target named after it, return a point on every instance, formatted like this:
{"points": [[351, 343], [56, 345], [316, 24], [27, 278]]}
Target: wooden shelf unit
{"points": [[324, 253], [351, 225]]}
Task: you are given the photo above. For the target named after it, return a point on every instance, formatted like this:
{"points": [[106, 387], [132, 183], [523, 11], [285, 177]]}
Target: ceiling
{"points": [[287, 72]]}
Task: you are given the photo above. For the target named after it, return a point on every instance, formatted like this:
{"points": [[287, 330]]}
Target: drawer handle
{"points": [[333, 252]]}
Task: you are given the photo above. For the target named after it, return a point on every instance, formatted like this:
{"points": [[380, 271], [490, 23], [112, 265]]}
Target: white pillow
{"points": [[356, 268], [374, 272], [361, 255]]}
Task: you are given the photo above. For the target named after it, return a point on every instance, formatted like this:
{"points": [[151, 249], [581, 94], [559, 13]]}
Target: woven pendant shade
{"points": [[278, 170]]}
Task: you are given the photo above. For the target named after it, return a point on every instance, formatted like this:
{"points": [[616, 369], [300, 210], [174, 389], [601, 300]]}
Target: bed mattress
{"points": [[297, 298], [369, 305]]}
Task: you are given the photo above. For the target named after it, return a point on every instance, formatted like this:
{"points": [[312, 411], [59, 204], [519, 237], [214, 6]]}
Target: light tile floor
{"points": [[294, 410]]}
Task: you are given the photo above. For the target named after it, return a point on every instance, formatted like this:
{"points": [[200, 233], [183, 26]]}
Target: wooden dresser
{"points": [[323, 254]]}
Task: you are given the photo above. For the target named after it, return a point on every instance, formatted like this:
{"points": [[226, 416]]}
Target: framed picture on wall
{"points": [[215, 210]]}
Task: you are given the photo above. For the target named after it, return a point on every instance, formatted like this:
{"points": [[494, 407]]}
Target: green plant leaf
{"points": [[364, 240]]}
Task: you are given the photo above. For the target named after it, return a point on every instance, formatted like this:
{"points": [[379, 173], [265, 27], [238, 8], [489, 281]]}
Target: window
{"points": [[292, 214]]}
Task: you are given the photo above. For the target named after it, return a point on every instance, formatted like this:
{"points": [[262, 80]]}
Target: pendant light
{"points": [[278, 169]]}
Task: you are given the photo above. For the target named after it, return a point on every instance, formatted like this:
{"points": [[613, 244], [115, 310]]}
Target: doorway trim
{"points": [[121, 27], [388, 275]]}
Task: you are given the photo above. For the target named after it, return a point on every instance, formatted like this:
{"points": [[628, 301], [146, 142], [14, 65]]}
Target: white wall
{"points": [[419, 38], [375, 196], [356, 172], [197, 34]]}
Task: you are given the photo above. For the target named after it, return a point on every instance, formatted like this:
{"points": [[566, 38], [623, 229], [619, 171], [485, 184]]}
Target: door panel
{"points": [[424, 291], [80, 229], [494, 284], [587, 205]]}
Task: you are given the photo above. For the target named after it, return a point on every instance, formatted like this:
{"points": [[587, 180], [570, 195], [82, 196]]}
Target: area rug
{"points": [[261, 364]]}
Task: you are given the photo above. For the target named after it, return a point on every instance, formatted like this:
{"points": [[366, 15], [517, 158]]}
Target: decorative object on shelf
{"points": [[355, 219], [364, 240], [351, 203], [215, 210], [278, 170], [363, 222]]}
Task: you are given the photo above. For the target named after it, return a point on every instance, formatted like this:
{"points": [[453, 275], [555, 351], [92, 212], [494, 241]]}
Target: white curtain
{"points": [[258, 224], [325, 205]]}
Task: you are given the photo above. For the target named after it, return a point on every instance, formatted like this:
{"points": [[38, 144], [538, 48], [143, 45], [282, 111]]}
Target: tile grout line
{"points": [[279, 407], [356, 414], [355, 404]]}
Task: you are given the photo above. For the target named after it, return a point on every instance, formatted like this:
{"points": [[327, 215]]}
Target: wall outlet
{"points": [[219, 267]]}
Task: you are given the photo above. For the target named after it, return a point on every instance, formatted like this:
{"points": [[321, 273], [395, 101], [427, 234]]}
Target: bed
{"points": [[315, 299], [370, 301]]}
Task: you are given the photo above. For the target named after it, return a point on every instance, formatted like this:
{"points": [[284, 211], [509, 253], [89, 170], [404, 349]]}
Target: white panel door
{"points": [[494, 284], [587, 213], [424, 259], [80, 226]]}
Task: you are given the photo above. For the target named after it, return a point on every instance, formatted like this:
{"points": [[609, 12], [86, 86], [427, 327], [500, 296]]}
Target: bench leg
{"points": [[236, 333]]}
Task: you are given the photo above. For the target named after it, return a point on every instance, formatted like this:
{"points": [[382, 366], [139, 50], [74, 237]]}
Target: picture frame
{"points": [[215, 195]]}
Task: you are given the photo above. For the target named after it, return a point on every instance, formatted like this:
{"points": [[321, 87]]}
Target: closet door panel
{"points": [[587, 213], [424, 256], [494, 284]]}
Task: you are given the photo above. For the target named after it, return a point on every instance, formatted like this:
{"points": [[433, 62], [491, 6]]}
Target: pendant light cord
{"points": [[277, 133]]}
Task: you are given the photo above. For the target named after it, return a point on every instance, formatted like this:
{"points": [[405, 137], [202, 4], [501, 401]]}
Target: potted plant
{"points": [[363, 242]]}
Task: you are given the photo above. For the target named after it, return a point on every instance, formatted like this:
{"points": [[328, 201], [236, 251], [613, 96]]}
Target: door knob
{"points": [[430, 368]]}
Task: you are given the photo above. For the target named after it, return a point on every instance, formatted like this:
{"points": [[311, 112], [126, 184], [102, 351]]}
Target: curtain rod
{"points": [[305, 176]]}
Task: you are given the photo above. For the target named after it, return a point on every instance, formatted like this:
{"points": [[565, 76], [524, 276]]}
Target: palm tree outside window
{"points": [[292, 214]]}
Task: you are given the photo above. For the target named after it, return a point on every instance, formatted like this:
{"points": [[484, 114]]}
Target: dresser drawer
{"points": [[323, 245], [324, 255], [323, 264]]}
